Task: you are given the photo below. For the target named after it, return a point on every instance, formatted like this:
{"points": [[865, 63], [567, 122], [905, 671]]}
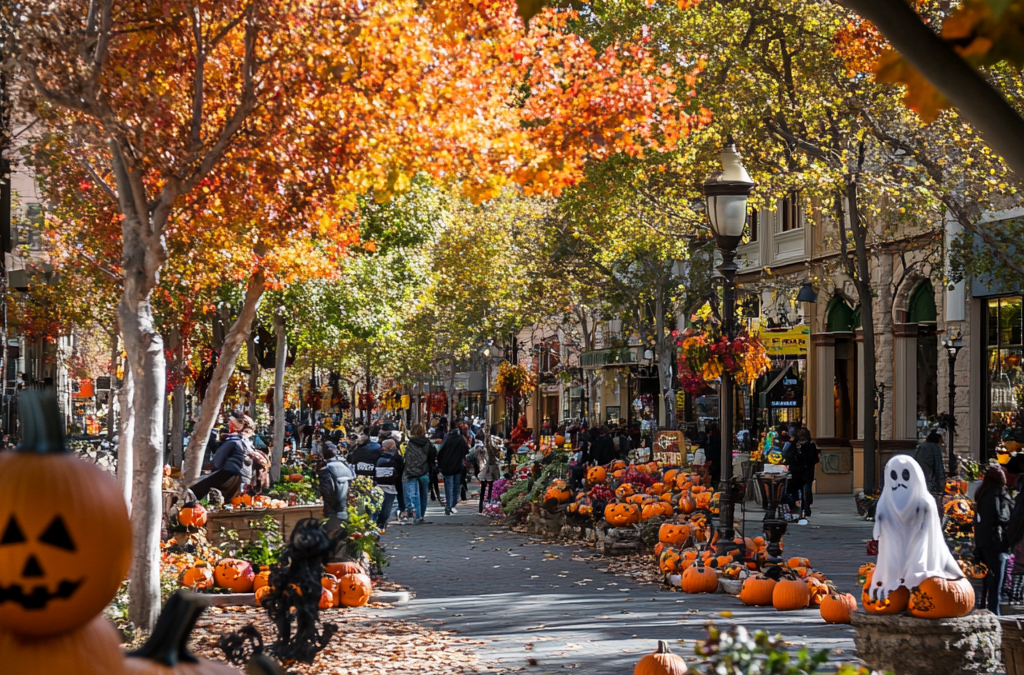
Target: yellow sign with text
{"points": [[789, 342]]}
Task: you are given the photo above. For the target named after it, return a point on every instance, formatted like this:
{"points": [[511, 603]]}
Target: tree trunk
{"points": [[215, 391], [111, 395], [863, 283], [254, 374], [145, 350], [177, 400], [664, 360], [277, 453], [125, 432], [451, 395]]}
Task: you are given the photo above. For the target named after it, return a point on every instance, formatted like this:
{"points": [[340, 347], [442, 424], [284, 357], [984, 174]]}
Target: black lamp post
{"points": [[726, 194], [953, 342]]}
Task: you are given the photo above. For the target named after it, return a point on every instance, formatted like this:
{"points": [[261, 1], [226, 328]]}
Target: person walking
{"points": [[807, 458], [335, 478], [930, 456], [467, 462], [364, 457], [451, 463], [993, 507], [603, 450], [489, 460], [415, 479], [388, 478]]}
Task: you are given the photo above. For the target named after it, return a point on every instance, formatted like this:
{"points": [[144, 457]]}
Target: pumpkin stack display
{"points": [[65, 547]]}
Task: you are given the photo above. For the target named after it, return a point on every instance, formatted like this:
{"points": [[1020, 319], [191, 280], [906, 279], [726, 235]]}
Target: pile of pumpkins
{"points": [[344, 584], [794, 585], [258, 501], [934, 598]]}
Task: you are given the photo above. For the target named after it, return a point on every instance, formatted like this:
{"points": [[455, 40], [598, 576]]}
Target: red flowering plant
{"points": [[705, 353]]}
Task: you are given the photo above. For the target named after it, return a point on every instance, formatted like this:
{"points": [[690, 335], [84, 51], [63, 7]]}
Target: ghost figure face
{"points": [[904, 481]]}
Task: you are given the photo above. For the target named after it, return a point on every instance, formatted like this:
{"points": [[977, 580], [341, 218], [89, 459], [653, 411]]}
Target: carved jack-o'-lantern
{"points": [[65, 537]]}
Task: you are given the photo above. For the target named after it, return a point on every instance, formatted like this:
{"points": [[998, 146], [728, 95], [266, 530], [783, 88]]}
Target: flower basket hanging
{"points": [[705, 353], [514, 381]]}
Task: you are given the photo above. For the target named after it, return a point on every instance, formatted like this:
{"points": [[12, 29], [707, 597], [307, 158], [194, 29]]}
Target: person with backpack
{"points": [[335, 478], [993, 507], [420, 454], [364, 457], [451, 463]]}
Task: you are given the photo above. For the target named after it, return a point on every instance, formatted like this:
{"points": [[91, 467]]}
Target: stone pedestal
{"points": [[907, 645]]}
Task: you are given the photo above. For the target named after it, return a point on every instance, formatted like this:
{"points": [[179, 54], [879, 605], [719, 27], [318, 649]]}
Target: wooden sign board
{"points": [[669, 447]]}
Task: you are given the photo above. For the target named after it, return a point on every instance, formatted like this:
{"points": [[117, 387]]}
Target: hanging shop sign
{"points": [[789, 342], [668, 447]]}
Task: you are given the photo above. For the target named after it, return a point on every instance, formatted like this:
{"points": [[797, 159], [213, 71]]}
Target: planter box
{"points": [[239, 520]]}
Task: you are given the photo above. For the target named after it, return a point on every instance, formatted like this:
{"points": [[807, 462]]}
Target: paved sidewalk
{"points": [[548, 602]]}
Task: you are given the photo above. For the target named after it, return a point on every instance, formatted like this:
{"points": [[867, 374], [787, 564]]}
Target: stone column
{"points": [[904, 395], [824, 385]]}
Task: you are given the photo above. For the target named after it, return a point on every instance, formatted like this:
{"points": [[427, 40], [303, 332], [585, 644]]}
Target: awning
{"points": [[607, 357]]}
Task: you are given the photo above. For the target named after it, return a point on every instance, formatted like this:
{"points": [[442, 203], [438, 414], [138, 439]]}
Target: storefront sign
{"points": [[668, 446], [789, 342]]}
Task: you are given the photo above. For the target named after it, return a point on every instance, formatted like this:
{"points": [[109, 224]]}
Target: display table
{"points": [[239, 520]]}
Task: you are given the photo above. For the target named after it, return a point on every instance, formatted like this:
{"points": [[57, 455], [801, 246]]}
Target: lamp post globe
{"points": [[726, 194]]}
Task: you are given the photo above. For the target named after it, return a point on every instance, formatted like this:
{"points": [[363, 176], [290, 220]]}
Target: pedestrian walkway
{"points": [[549, 602]]}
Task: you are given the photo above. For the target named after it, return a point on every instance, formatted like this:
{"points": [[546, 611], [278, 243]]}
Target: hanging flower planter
{"points": [[705, 353], [514, 381]]}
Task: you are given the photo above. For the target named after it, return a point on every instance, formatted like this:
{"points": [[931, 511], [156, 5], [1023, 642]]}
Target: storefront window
{"points": [[1005, 376]]}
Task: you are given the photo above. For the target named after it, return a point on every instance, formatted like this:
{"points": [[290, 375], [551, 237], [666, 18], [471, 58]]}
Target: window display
{"points": [[1005, 389]]}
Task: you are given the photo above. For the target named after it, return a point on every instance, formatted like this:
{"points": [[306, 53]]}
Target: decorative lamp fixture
{"points": [[648, 355], [807, 293], [726, 194]]}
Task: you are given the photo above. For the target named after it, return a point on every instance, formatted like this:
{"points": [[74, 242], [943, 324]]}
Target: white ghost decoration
{"points": [[911, 547]]}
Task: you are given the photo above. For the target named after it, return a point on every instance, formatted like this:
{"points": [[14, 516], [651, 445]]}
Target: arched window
{"points": [[921, 308], [839, 318]]}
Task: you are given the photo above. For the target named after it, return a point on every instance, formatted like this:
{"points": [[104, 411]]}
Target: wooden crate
{"points": [[1013, 644], [239, 520]]}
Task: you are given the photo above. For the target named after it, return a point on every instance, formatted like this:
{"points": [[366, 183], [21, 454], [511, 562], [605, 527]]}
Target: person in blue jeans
{"points": [[451, 461], [420, 454], [389, 479]]}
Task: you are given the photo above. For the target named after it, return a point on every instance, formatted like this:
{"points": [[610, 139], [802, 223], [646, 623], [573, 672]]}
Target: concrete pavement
{"points": [[526, 598]]}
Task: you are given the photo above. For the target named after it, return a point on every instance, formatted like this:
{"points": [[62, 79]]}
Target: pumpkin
{"points": [[198, 577], [653, 467], [793, 563], [661, 662], [864, 572], [326, 599], [557, 493], [674, 533], [65, 537], [622, 515], [355, 589], [960, 509], [618, 465], [624, 491], [340, 569], [938, 598], [559, 440], [596, 475], [91, 649], [234, 575], [668, 561], [836, 607], [261, 593], [790, 594], [262, 579], [757, 590], [656, 489], [193, 515], [330, 583], [699, 579], [687, 504], [166, 651], [895, 603], [702, 500], [670, 476], [295, 478], [656, 509], [819, 590]]}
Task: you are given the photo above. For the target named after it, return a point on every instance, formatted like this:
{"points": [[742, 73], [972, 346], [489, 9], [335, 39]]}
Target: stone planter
{"points": [[908, 645], [617, 540], [730, 586]]}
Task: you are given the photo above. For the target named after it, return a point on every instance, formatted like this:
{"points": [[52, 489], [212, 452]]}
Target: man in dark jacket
{"points": [[364, 457], [228, 463], [451, 460], [335, 478], [388, 477], [420, 456], [603, 450]]}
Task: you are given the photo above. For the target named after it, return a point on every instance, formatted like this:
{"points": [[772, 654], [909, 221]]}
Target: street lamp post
{"points": [[726, 194], [953, 342]]}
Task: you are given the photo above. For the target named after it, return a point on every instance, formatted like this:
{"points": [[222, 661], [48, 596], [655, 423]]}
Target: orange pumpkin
{"points": [[670, 476], [166, 650], [757, 590], [668, 561], [340, 569], [659, 509], [618, 465], [699, 579], [675, 533], [687, 504], [656, 489], [295, 478], [355, 590], [91, 649], [938, 598], [836, 607], [702, 500], [193, 515], [326, 599], [819, 590], [624, 491], [198, 577], [798, 562], [661, 662], [330, 582], [557, 493], [895, 603], [261, 593], [261, 579], [596, 475], [653, 467], [234, 575], [622, 515], [65, 537], [790, 594]]}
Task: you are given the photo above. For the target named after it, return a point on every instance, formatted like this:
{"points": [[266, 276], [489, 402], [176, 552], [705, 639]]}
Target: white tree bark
{"points": [[254, 375], [277, 453], [664, 360], [125, 432], [230, 350]]}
